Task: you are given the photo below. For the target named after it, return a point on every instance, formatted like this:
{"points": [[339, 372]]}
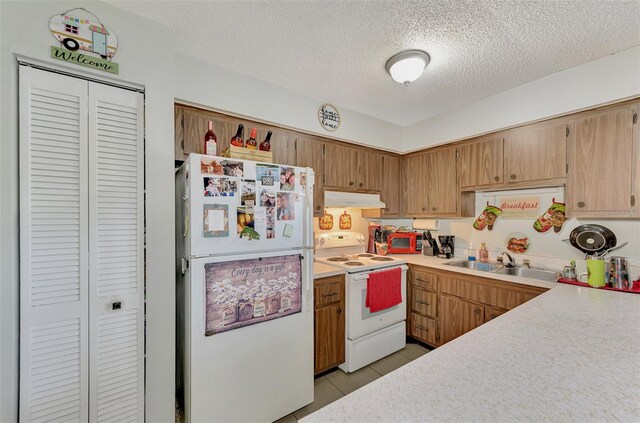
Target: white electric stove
{"points": [[346, 250], [370, 336]]}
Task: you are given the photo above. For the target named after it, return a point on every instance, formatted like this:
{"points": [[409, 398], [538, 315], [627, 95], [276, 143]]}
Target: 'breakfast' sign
{"points": [[519, 207]]}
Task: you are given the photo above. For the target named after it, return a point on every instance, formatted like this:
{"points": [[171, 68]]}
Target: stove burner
{"points": [[365, 255], [354, 263], [337, 259], [382, 258]]}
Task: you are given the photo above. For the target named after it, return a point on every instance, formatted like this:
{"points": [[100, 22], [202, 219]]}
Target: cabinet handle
{"points": [[424, 208], [476, 311], [434, 208], [351, 183], [421, 280], [361, 184], [339, 311], [581, 204], [493, 315], [318, 207], [386, 209], [422, 302], [496, 178], [330, 295], [422, 328], [513, 176]]}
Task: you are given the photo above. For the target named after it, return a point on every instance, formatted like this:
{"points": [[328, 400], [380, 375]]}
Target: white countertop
{"points": [[570, 354], [441, 264], [323, 270]]}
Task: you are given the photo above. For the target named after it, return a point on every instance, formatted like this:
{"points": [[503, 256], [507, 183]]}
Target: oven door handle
{"points": [[362, 277]]}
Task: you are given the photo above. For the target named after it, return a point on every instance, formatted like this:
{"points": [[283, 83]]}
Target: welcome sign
{"points": [[519, 207], [83, 60]]}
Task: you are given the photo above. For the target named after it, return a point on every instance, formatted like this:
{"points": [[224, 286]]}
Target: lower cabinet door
{"points": [[329, 337], [423, 328], [458, 317]]}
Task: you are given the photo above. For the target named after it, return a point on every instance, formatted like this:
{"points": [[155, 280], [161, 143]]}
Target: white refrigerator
{"points": [[244, 289]]}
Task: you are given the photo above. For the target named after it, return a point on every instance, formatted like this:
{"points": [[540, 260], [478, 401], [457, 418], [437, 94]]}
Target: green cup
{"points": [[595, 272]]}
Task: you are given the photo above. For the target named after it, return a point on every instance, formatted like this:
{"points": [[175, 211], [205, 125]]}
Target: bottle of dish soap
{"points": [[484, 253]]}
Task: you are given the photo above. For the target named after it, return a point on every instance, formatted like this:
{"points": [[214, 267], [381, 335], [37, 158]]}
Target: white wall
{"points": [[204, 84], [145, 55], [602, 81]]}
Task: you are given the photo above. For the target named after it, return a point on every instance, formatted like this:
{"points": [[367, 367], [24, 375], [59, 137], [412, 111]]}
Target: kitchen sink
{"points": [[476, 265], [524, 272]]}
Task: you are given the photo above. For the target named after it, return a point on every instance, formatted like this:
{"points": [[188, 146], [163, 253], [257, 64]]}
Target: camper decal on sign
{"points": [[79, 35]]}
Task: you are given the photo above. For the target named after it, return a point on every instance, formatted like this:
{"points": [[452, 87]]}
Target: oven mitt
{"points": [[487, 218], [554, 216]]}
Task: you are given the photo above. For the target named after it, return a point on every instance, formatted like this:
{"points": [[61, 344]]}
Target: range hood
{"points": [[352, 199]]}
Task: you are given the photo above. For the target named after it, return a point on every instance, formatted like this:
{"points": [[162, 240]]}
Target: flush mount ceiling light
{"points": [[407, 66]]}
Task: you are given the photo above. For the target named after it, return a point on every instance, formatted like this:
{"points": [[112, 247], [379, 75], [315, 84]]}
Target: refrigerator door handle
{"points": [[308, 209]]}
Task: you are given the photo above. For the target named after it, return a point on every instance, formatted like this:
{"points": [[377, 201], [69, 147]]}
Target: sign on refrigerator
{"points": [[245, 292]]}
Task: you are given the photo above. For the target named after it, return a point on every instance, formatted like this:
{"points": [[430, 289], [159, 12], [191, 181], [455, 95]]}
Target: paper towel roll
{"points": [[426, 224]]}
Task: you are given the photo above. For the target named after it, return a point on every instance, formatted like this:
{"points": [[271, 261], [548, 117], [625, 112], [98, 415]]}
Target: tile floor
{"points": [[335, 385]]}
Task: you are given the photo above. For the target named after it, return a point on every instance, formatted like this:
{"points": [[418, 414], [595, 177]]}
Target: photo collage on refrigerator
{"points": [[260, 199]]}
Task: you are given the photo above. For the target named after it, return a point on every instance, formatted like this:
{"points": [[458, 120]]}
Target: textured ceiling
{"points": [[336, 50]]}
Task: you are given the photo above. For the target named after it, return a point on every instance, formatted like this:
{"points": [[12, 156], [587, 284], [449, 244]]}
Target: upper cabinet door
{"points": [[391, 186], [310, 153], [369, 176], [340, 166], [283, 146], [535, 152], [481, 162], [602, 162], [416, 185], [443, 187]]}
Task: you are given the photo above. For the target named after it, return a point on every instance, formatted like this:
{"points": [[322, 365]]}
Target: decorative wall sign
{"points": [[80, 37], [519, 206], [245, 292], [329, 117]]}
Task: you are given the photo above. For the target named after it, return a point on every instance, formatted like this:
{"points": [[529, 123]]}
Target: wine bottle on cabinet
{"points": [[251, 142], [210, 141], [266, 144], [237, 139]]}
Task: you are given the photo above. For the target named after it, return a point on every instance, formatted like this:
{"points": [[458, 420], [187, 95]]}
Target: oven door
{"points": [[360, 321]]}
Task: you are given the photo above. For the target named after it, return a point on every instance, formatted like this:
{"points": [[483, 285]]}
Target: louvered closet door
{"points": [[53, 248], [116, 258]]}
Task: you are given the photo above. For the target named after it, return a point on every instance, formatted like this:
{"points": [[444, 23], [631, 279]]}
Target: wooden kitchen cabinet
{"points": [[369, 170], [422, 305], [392, 187], [391, 194], [310, 153], [340, 169], [191, 125], [442, 195], [430, 183], [458, 317], [443, 305], [329, 323], [415, 184], [603, 163], [536, 152], [481, 162]]}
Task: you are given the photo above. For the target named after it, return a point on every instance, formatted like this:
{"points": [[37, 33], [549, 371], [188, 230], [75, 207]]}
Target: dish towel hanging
{"points": [[383, 289]]}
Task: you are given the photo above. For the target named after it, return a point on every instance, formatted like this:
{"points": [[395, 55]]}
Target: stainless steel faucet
{"points": [[512, 262]]}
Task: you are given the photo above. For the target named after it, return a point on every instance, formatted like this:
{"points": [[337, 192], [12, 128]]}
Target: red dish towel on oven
{"points": [[383, 289]]}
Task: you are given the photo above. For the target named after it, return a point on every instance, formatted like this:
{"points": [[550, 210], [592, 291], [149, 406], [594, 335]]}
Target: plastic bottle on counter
{"points": [[471, 253], [484, 253]]}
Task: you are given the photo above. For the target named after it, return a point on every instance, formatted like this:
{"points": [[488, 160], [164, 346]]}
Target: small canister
{"points": [[619, 273]]}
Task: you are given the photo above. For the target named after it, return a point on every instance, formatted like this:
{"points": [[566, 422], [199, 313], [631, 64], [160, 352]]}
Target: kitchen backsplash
{"points": [[547, 249]]}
